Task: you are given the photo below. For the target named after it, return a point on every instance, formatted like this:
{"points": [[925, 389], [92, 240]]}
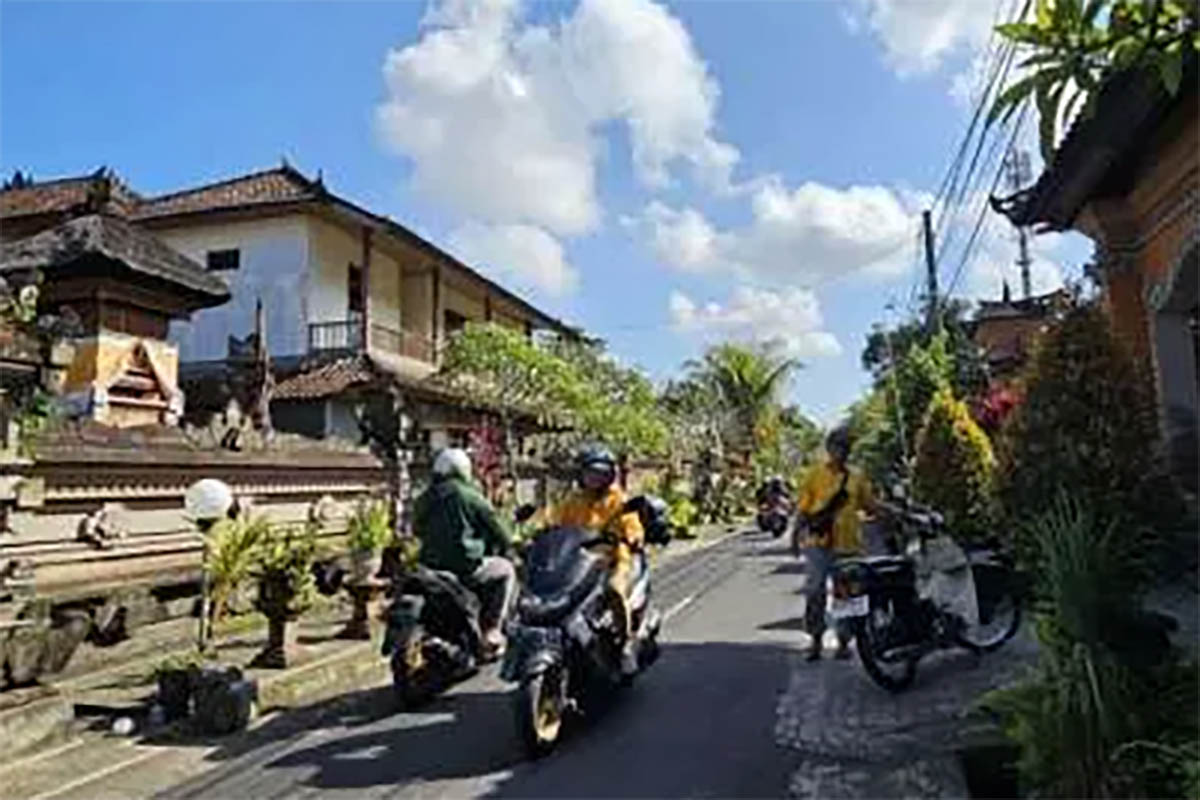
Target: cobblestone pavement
{"points": [[858, 740]]}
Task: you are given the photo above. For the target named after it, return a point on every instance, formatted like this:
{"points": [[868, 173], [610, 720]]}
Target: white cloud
{"points": [[919, 35], [501, 118], [796, 236], [524, 254], [791, 318]]}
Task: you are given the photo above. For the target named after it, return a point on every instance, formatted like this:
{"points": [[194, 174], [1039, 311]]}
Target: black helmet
{"points": [[838, 439], [595, 455]]}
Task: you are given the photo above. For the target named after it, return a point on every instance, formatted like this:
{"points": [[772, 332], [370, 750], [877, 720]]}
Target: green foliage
{"points": [[369, 529], [919, 376], [875, 435], [955, 469], [1072, 46], [788, 442], [745, 384], [232, 555], [682, 516], [283, 567], [564, 382], [1098, 718], [967, 373], [1088, 426]]}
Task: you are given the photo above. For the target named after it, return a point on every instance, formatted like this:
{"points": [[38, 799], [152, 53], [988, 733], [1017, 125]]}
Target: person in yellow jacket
{"points": [[833, 498], [596, 505]]}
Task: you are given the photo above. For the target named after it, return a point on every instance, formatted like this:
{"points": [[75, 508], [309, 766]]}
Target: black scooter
{"points": [[564, 649]]}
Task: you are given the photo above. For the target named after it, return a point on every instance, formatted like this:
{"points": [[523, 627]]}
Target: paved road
{"points": [[700, 723]]}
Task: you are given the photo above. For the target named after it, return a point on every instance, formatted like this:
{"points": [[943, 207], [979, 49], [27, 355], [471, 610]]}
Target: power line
{"points": [[985, 206]]}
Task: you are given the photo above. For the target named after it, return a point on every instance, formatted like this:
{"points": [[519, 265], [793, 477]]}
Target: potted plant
{"points": [[176, 678], [369, 532], [286, 587]]}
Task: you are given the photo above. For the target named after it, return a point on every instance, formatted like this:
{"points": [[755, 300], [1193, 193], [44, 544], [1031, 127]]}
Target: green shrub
{"points": [[919, 376], [370, 527], [231, 557], [1088, 425], [955, 468], [682, 516], [1101, 715], [286, 584]]}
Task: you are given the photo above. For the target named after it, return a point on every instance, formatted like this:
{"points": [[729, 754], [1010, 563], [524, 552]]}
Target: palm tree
{"points": [[746, 382]]}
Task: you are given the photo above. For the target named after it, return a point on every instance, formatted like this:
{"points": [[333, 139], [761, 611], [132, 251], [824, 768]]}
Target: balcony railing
{"points": [[347, 335], [340, 335]]}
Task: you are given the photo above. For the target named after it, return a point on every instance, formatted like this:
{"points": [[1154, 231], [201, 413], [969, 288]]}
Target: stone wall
{"points": [[95, 543]]}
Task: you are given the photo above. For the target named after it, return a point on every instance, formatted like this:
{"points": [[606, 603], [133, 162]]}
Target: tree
{"points": [[746, 382], [1087, 427], [1074, 46], [968, 373], [573, 384], [955, 468]]}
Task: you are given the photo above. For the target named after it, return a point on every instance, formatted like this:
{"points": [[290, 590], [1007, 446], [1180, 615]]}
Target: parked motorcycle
{"points": [[564, 649], [934, 596], [773, 516], [432, 637]]}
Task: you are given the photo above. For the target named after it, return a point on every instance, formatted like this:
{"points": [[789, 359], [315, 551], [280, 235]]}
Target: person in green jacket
{"points": [[461, 533]]}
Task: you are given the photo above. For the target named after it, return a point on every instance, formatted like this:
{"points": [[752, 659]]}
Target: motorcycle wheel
{"points": [[895, 677], [410, 671], [1004, 623], [539, 709]]}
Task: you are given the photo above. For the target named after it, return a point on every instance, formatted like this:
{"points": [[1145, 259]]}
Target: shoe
{"points": [[814, 654], [629, 662], [842, 653]]}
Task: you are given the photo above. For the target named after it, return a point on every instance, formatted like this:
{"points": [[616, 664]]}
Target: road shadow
{"points": [[789, 568], [700, 723], [792, 624]]}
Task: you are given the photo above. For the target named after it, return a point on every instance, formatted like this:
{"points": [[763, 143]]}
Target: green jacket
{"points": [[457, 527]]}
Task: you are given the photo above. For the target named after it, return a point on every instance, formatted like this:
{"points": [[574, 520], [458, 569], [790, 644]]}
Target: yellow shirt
{"points": [[584, 510], [819, 486]]}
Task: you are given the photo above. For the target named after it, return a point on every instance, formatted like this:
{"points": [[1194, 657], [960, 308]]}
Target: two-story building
{"points": [[348, 294]]}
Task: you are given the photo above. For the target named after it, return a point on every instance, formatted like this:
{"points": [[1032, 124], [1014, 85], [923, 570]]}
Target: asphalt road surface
{"points": [[699, 723]]}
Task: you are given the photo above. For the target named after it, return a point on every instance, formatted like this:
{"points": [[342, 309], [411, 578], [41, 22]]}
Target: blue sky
{"points": [[665, 175]]}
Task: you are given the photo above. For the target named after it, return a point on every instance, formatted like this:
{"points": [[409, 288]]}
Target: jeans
{"points": [[817, 563], [495, 581]]}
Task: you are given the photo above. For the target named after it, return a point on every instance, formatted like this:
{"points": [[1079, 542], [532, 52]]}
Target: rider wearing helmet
{"points": [[597, 505], [461, 533], [833, 496]]}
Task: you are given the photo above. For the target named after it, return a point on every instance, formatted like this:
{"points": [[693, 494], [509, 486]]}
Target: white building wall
{"points": [[274, 260], [332, 249]]}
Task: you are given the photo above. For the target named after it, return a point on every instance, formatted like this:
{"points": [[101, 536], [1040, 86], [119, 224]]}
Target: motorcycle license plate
{"points": [[842, 607]]}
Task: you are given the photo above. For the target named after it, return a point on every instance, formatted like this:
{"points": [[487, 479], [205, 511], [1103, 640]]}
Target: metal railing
{"points": [[340, 335]]}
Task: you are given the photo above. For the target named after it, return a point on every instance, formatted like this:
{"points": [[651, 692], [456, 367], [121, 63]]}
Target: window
{"points": [[354, 289], [453, 322], [221, 260]]}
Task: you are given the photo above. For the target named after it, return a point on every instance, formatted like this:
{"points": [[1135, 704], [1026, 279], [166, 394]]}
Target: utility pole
{"points": [[931, 314], [1016, 166]]}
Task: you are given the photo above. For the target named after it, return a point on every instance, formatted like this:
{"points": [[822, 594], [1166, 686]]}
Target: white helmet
{"points": [[207, 500], [453, 461]]}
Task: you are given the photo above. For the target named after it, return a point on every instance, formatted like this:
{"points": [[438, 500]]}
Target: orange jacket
{"points": [[585, 509]]}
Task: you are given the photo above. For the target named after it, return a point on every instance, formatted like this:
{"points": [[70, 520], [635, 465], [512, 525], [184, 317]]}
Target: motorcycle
{"points": [[934, 596], [773, 516], [564, 645], [433, 637]]}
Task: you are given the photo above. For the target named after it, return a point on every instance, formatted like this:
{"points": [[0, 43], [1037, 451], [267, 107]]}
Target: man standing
{"points": [[833, 496], [461, 533]]}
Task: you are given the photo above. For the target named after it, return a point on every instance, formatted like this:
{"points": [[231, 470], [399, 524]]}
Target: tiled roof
{"points": [[279, 185], [327, 380], [113, 238], [67, 194]]}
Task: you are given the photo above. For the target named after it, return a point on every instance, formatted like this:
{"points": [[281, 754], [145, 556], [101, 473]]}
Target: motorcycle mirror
{"points": [[524, 512], [634, 505]]}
